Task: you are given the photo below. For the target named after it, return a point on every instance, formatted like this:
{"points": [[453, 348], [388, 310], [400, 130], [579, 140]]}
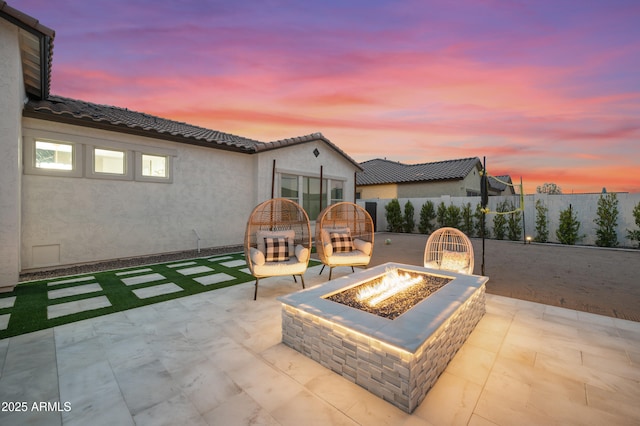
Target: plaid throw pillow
{"points": [[277, 249], [341, 242]]}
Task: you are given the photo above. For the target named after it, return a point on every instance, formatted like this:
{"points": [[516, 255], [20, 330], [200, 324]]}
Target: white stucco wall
{"points": [[300, 160], [87, 220], [11, 101], [70, 220]]}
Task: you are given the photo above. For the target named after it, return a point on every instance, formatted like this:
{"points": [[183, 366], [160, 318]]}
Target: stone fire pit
{"points": [[398, 359]]}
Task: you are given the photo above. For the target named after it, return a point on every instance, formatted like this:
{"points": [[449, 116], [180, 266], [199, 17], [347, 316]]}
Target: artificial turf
{"points": [[29, 310]]}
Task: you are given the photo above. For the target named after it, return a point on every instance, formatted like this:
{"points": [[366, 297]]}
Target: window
{"points": [[289, 187], [305, 190], [107, 161], [52, 158], [311, 196], [153, 168], [54, 155], [337, 191]]}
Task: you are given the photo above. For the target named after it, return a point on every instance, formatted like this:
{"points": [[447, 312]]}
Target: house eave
{"points": [[37, 44]]}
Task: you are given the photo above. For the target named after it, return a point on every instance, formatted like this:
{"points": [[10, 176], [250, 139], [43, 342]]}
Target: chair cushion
{"points": [[341, 242], [276, 249], [272, 269], [454, 260], [349, 258]]}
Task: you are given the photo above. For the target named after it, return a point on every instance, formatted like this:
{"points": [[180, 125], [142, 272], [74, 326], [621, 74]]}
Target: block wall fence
{"points": [[585, 207]]}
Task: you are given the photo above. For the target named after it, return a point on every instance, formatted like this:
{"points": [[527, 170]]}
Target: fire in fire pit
{"points": [[391, 294]]}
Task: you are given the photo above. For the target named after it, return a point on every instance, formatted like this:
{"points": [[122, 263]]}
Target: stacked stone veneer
{"points": [[395, 375]]}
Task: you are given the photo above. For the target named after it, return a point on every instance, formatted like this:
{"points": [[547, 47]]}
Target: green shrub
{"points": [[427, 214], [409, 222], [542, 230], [394, 216], [441, 215], [500, 221], [467, 220], [453, 217], [514, 223], [634, 235], [607, 221], [567, 232]]}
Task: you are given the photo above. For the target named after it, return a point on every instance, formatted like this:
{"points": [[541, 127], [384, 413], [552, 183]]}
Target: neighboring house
{"points": [[498, 185], [391, 179], [82, 182], [383, 179]]}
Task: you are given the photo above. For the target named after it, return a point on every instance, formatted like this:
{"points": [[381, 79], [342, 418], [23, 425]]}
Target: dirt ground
{"points": [[590, 279]]}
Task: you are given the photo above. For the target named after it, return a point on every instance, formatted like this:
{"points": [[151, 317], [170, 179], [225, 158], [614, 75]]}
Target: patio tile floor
{"points": [[216, 358]]}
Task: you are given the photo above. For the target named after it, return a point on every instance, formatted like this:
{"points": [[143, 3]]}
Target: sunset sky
{"points": [[547, 90]]}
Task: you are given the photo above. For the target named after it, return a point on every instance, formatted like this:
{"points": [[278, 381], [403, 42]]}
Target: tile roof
{"points": [[379, 171], [72, 111], [36, 50], [76, 112], [495, 182]]}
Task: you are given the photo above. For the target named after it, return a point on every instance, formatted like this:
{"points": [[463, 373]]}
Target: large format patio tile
{"points": [[217, 358]]}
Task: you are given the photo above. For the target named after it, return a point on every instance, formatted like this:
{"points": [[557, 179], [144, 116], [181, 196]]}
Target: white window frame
{"points": [[30, 159], [90, 171], [330, 189], [158, 179], [327, 200]]}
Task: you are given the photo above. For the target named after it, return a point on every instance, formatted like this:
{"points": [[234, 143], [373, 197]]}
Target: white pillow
{"points": [[302, 253], [363, 246], [454, 260], [257, 257]]}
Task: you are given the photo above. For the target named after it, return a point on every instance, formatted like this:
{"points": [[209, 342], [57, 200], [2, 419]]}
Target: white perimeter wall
{"points": [[584, 205], [11, 102]]}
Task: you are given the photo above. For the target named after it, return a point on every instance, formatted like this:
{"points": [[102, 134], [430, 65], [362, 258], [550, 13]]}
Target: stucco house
{"points": [[501, 185], [384, 179], [82, 182]]}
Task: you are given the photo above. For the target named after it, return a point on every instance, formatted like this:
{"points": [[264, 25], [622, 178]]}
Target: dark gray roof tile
{"points": [[122, 119], [379, 171]]}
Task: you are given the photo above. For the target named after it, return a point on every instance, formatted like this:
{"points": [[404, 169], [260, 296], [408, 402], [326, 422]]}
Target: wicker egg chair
{"points": [[277, 240], [344, 236], [449, 249]]}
